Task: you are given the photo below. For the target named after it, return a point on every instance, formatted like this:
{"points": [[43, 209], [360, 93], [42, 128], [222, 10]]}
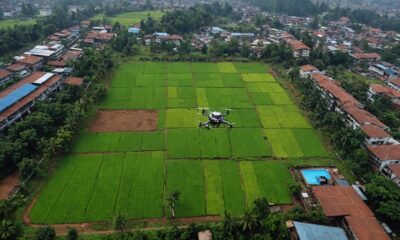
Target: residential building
{"points": [[375, 135], [392, 171], [5, 76], [307, 70], [308, 231], [394, 83], [73, 81], [34, 63], [343, 204], [53, 51], [366, 57], [18, 99], [356, 117], [19, 70], [377, 89], [384, 70], [95, 37], [134, 30], [383, 155], [335, 96], [299, 49]]}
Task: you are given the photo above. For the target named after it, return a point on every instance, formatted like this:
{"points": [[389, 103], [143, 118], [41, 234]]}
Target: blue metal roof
{"points": [[308, 231], [164, 34], [134, 30], [16, 95], [242, 34]]}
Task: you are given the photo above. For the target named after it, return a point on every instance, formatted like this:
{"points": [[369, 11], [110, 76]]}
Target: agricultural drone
{"points": [[215, 119]]}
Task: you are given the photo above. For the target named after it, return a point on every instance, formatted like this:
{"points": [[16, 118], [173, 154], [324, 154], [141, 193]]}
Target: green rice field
{"points": [[214, 170], [130, 18], [9, 23]]}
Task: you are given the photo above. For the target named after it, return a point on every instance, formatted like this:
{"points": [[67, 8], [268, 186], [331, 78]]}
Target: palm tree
{"points": [[119, 223], [248, 222], [261, 209], [8, 230], [172, 200]]}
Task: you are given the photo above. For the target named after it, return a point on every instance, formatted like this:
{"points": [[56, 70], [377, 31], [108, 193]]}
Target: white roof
{"points": [[44, 78]]}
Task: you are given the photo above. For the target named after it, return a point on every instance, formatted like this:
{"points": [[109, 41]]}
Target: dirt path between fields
{"points": [[8, 184]]}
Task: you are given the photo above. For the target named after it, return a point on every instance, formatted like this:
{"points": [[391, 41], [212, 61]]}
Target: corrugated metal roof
{"points": [[44, 78], [15, 96], [308, 231]]}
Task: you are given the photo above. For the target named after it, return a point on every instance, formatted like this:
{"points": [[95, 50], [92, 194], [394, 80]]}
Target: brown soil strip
{"points": [[8, 184], [124, 121]]}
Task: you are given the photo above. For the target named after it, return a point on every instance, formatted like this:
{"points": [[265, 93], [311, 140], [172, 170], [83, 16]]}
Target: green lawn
{"points": [[214, 169], [130, 18]]}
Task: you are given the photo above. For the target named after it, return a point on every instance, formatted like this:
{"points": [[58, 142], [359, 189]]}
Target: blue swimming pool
{"points": [[312, 175]]}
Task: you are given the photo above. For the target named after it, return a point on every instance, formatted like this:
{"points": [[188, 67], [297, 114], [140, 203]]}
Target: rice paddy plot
{"points": [[257, 77], [198, 143], [248, 142], [119, 142], [250, 68], [281, 116], [123, 182], [181, 97], [273, 180], [131, 18], [187, 177], [226, 67]]}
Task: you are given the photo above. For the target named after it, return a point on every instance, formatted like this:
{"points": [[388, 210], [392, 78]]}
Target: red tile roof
{"points": [[30, 60], [16, 67], [337, 201], [343, 201], [338, 92], [385, 152], [4, 74], [365, 56], [56, 63], [74, 81], [395, 81], [395, 168], [308, 68], [373, 131], [380, 89], [362, 116], [296, 44], [366, 228]]}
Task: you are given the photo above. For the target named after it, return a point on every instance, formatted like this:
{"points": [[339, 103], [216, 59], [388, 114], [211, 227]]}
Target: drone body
{"points": [[215, 119]]}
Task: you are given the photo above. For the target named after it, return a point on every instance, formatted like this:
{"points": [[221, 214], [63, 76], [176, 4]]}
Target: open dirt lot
{"points": [[124, 120]]}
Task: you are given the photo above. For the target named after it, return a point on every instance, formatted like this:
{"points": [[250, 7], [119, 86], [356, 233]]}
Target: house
{"points": [[377, 89], [375, 135], [383, 155], [366, 57], [242, 36], [34, 63], [308, 231], [343, 204], [134, 30], [53, 51], [17, 100], [5, 76], [299, 49], [335, 96], [86, 23], [394, 83], [45, 12], [73, 81], [356, 117], [95, 37], [307, 70], [384, 70], [19, 70], [392, 171], [216, 30]]}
